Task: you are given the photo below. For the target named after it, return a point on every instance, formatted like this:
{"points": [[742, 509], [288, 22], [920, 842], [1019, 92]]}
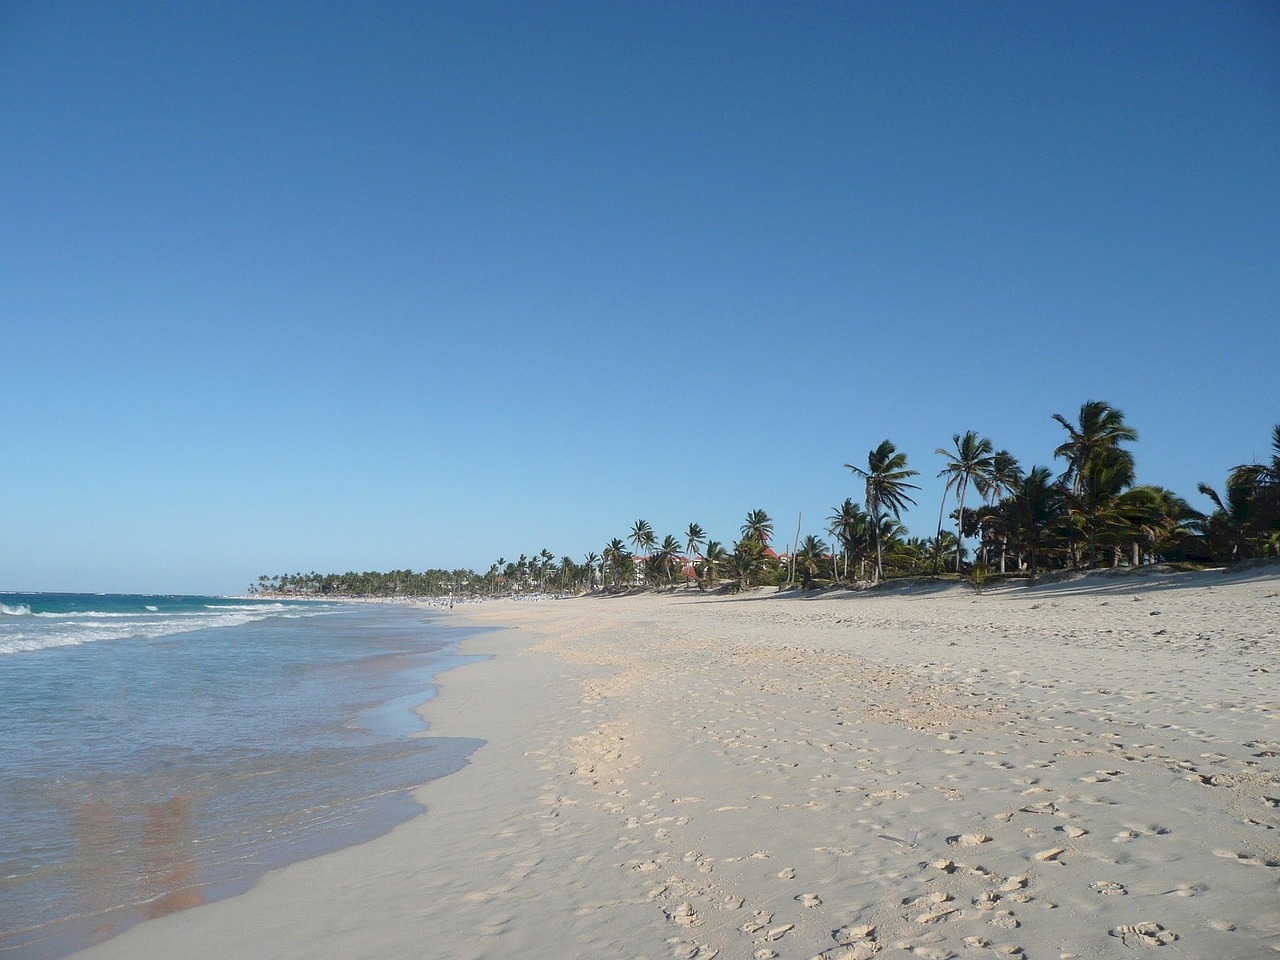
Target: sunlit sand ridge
{"points": [[1077, 770]]}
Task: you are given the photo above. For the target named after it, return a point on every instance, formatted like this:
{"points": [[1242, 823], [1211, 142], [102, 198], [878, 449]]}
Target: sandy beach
{"points": [[1082, 769]]}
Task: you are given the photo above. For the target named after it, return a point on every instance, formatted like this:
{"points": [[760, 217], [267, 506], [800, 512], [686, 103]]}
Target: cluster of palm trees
{"points": [[1092, 513], [394, 583]]}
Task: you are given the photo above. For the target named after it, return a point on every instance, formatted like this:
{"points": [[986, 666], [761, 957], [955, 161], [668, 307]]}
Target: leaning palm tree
{"points": [[972, 461], [642, 537], [886, 487], [758, 526], [694, 538]]}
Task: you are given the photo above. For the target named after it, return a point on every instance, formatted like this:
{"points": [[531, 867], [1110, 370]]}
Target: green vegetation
{"points": [[1093, 514]]}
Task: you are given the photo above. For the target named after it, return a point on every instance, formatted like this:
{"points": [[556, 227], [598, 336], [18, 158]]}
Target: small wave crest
{"points": [[20, 610]]}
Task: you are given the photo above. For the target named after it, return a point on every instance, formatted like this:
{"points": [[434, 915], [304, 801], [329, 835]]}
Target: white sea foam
{"points": [[21, 610], [88, 626]]}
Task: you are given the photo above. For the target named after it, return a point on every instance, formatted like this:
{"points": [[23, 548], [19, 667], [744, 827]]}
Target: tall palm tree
{"points": [[590, 560], [886, 487], [694, 538], [758, 526], [642, 537], [1101, 427], [972, 461]]}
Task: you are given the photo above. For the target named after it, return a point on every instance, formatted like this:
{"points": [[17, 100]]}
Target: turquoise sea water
{"points": [[156, 752]]}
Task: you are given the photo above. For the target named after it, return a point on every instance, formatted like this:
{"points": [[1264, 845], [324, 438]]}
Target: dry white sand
{"points": [[1088, 769]]}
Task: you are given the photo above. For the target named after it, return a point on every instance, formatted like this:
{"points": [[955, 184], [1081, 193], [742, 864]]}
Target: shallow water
{"points": [[180, 751]]}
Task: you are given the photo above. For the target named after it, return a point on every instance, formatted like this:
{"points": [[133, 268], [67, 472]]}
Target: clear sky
{"points": [[370, 286]]}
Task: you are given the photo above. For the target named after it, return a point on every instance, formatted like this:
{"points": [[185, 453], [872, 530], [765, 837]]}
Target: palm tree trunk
{"points": [[937, 546], [960, 525]]}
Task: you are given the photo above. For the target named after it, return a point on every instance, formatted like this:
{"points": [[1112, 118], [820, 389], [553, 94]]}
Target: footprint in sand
{"points": [[684, 915], [788, 874], [846, 935], [938, 913], [858, 951], [1147, 934], [968, 839], [1110, 888]]}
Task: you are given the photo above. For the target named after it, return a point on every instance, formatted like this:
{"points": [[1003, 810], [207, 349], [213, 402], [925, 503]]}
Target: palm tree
{"points": [[642, 537], [971, 461], [1037, 505], [1101, 427], [665, 555], [619, 560], [747, 560], [758, 526], [1005, 475], [886, 485], [1260, 482], [694, 538], [1159, 520], [591, 559], [1096, 507], [713, 561], [809, 558], [851, 525]]}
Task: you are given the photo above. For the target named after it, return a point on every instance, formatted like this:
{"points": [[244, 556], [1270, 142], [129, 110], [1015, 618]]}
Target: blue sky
{"points": [[369, 286]]}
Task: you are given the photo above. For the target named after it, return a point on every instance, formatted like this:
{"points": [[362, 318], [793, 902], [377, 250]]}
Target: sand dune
{"points": [[1085, 769]]}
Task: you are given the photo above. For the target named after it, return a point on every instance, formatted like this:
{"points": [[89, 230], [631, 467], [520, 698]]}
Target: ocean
{"points": [[157, 752]]}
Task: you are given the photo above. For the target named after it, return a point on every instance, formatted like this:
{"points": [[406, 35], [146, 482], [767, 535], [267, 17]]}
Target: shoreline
{"points": [[1072, 770]]}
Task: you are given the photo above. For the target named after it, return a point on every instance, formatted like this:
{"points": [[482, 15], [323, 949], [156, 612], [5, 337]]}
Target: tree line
{"points": [[1022, 521]]}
